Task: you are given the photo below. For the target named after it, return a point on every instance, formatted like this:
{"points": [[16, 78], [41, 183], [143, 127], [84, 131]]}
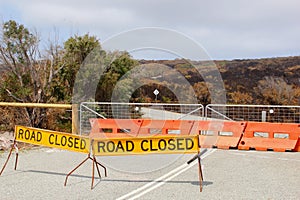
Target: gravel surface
{"points": [[228, 174]]}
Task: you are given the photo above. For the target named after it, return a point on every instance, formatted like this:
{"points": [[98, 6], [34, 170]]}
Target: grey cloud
{"points": [[231, 28]]}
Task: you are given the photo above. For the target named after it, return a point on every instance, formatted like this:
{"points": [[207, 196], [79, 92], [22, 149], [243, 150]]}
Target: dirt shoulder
{"points": [[6, 140]]}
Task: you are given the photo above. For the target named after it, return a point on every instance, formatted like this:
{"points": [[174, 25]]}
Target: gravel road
{"points": [[228, 174]]}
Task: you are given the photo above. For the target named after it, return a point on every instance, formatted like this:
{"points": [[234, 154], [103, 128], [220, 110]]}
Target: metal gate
{"points": [[259, 113], [105, 110]]}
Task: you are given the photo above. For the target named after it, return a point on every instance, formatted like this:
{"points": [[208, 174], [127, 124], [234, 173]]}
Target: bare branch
{"points": [[57, 71], [13, 96]]}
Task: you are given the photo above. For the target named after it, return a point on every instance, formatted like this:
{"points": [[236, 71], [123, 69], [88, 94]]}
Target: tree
{"points": [[29, 73], [76, 50], [84, 54], [202, 93], [238, 97], [276, 91], [113, 72]]}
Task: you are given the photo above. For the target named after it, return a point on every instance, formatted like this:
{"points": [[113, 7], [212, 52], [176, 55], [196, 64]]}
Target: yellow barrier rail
{"points": [[74, 108], [37, 105]]}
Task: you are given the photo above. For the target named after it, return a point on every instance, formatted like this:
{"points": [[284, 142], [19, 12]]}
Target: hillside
{"points": [[251, 81]]}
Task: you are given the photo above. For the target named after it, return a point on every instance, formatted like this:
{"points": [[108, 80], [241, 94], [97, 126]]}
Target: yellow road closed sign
{"points": [[52, 139], [146, 145]]}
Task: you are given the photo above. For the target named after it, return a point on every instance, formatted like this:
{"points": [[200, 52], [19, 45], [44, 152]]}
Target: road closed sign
{"points": [[52, 139], [146, 145]]}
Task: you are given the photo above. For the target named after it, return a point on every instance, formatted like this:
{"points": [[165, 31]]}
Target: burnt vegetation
{"points": [[273, 81]]}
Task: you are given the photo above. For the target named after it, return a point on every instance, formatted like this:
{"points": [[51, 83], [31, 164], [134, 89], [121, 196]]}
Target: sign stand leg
{"points": [[76, 168], [95, 163], [199, 167], [14, 146], [200, 174], [93, 173], [16, 162]]}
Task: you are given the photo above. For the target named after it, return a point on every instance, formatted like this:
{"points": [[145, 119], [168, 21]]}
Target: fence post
{"points": [[263, 116], [75, 121]]}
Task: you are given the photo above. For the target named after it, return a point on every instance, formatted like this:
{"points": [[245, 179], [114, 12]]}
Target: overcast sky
{"points": [[226, 29]]}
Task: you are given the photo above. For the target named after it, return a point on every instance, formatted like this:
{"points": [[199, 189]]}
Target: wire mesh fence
{"points": [[105, 110], [259, 113]]}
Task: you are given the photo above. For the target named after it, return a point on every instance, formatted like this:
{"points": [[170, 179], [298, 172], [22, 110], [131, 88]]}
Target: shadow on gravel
{"points": [[58, 174], [205, 183]]}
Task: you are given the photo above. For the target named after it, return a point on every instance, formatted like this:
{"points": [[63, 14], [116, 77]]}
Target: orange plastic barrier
{"points": [[134, 127], [107, 127], [219, 134], [265, 136], [297, 148], [157, 127]]}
